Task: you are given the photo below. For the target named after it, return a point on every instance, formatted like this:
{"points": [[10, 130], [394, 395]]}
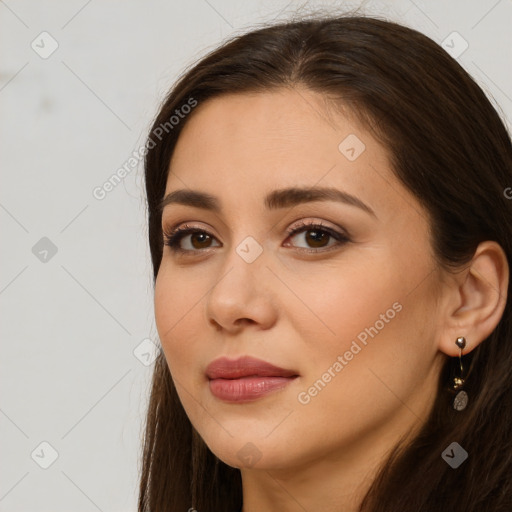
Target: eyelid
{"points": [[299, 225], [179, 226], [174, 235]]}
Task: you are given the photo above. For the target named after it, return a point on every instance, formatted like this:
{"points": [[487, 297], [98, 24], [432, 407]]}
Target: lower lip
{"points": [[247, 389]]}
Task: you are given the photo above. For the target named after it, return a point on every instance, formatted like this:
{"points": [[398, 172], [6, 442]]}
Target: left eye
{"points": [[316, 235]]}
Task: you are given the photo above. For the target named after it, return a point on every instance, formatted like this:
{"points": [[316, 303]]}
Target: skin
{"points": [[301, 311]]}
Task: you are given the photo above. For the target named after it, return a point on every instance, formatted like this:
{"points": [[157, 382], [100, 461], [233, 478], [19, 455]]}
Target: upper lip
{"points": [[246, 366]]}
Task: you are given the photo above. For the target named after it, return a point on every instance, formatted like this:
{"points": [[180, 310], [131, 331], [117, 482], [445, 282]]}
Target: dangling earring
{"points": [[461, 399]]}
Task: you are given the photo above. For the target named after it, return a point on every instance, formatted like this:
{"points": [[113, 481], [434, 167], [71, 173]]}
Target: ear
{"points": [[476, 299]]}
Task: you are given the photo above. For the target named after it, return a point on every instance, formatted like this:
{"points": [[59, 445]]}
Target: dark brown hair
{"points": [[449, 147]]}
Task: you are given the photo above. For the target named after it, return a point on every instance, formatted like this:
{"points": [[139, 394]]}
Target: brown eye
{"points": [[190, 240], [198, 239], [202, 239], [317, 236]]}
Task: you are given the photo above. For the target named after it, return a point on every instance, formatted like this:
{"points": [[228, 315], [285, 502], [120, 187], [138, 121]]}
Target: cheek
{"points": [[370, 318], [177, 305], [340, 305], [378, 344]]}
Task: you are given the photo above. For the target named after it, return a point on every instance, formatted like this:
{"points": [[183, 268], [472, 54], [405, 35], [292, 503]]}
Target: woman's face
{"points": [[348, 307]]}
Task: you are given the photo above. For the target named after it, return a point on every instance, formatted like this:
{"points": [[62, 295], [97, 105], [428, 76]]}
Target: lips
{"points": [[246, 366], [246, 379]]}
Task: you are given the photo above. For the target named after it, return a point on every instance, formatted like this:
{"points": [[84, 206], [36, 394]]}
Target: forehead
{"points": [[245, 145], [281, 118]]}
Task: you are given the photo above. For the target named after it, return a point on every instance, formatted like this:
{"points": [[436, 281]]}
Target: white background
{"points": [[70, 324]]}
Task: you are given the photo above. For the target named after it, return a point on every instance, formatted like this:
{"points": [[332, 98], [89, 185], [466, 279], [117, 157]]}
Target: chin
{"points": [[250, 449]]}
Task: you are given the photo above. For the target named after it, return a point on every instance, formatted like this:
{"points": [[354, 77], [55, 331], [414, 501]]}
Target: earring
{"points": [[461, 399]]}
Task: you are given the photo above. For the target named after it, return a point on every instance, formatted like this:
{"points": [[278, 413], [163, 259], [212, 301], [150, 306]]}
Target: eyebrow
{"points": [[277, 199]]}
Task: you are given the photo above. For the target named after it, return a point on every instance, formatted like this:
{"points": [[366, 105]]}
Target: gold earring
{"points": [[461, 399]]}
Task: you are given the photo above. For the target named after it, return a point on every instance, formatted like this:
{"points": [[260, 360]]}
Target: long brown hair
{"points": [[450, 148]]}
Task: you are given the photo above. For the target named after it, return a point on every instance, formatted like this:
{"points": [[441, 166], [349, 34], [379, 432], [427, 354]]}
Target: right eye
{"points": [[199, 239]]}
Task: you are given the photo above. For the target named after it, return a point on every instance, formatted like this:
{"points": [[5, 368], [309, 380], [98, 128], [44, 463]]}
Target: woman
{"points": [[330, 233]]}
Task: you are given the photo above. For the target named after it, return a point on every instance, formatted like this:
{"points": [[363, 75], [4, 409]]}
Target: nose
{"points": [[242, 296]]}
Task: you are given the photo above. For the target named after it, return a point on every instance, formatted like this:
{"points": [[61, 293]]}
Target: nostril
{"points": [[243, 320]]}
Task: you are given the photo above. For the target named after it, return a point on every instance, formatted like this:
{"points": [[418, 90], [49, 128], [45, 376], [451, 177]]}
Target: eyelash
{"points": [[173, 238]]}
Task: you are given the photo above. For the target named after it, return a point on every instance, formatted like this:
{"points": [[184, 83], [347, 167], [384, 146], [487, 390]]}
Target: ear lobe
{"points": [[481, 297]]}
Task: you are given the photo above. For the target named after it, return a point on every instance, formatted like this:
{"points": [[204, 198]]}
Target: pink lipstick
{"points": [[246, 379]]}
